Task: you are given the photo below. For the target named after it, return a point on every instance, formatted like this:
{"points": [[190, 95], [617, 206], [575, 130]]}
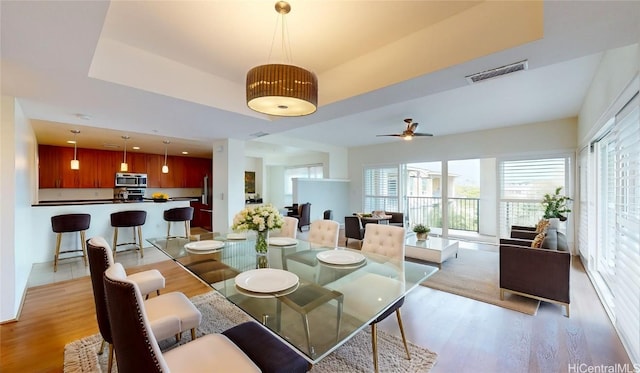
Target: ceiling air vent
{"points": [[258, 134], [499, 71]]}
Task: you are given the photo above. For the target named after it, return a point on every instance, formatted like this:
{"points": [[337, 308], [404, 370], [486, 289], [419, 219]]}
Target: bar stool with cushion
{"points": [[70, 223], [178, 214], [134, 219]]}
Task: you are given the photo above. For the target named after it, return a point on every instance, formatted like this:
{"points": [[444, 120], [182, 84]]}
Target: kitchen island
{"points": [[44, 239]]}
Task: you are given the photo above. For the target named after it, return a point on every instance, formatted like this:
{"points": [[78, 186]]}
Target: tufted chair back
{"points": [[324, 233], [387, 240], [289, 228], [134, 341], [100, 258]]}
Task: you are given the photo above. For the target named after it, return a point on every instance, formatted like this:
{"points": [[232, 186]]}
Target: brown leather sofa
{"points": [[539, 273], [397, 218]]}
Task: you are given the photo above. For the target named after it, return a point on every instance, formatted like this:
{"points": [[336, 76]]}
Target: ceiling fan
{"points": [[409, 132]]}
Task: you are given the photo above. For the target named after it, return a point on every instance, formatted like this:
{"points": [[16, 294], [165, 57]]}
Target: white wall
{"points": [[616, 70], [323, 194], [228, 182], [535, 138], [18, 189]]}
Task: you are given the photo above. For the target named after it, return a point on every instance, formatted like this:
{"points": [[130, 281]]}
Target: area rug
{"points": [[475, 274], [218, 314]]}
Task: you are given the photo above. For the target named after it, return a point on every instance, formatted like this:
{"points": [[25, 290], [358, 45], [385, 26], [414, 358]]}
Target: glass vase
{"points": [[262, 245]]}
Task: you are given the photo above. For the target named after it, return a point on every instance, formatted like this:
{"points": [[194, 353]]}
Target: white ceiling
{"points": [[175, 69]]}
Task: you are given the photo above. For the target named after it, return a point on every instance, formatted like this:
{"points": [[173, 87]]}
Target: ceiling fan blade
{"points": [[413, 127], [394, 134], [422, 134]]}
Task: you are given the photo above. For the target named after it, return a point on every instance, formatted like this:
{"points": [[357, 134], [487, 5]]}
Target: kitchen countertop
{"points": [[109, 201]]}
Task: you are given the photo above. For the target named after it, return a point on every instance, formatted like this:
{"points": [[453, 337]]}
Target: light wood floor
{"points": [[469, 336]]}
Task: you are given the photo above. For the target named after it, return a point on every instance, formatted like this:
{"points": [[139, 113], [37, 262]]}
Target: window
{"points": [[523, 183], [381, 189], [616, 267], [306, 172]]}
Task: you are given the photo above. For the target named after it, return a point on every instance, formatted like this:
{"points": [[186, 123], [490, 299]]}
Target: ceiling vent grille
{"points": [[499, 71], [258, 134]]}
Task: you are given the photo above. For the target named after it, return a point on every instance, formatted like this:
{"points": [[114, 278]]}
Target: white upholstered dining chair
{"points": [[289, 228], [389, 241]]}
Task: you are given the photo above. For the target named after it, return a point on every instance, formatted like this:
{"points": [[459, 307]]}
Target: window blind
{"points": [[381, 189], [523, 183], [626, 282]]}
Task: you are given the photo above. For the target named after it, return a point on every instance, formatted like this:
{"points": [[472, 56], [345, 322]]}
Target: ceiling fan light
{"points": [[407, 137], [282, 90]]}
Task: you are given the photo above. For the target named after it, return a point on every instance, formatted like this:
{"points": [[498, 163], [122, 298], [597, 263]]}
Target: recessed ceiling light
{"points": [[70, 142], [135, 147], [185, 153], [83, 116]]}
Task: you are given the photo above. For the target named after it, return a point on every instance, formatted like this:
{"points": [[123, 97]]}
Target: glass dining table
{"points": [[313, 298]]}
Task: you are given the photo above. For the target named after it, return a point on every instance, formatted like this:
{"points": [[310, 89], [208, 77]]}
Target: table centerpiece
{"points": [[261, 219]]}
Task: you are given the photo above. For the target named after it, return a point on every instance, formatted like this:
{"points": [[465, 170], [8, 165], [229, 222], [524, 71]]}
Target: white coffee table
{"points": [[434, 249]]}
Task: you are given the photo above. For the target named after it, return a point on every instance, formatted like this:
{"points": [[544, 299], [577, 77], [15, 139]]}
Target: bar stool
{"points": [[179, 214], [124, 219], [69, 223]]}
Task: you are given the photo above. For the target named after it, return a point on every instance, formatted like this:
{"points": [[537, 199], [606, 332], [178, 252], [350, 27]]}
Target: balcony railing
{"points": [[463, 212]]}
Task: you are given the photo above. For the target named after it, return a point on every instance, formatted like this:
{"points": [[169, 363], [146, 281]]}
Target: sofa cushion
{"points": [[537, 241]]}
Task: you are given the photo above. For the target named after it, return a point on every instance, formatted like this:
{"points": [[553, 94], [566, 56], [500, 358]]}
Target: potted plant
{"points": [[421, 231], [555, 205]]}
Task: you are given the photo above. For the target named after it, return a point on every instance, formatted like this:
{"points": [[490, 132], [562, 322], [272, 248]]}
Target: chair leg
{"points": [[101, 350], [187, 228], [140, 240], [374, 343], [168, 229], [115, 242], [55, 258], [178, 337], [193, 334], [110, 364], [404, 339], [84, 248]]}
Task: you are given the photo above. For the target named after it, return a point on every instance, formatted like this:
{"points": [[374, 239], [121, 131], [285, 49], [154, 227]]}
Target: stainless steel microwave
{"points": [[131, 180]]}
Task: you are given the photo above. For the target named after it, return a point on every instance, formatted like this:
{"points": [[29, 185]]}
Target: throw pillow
{"points": [[550, 240], [537, 242], [542, 225], [562, 242]]}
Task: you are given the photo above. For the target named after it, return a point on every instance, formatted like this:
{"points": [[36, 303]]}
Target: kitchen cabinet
{"points": [[201, 215], [97, 168], [195, 171], [54, 165], [137, 163]]}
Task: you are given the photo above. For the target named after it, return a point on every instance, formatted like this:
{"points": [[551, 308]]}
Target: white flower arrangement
{"points": [[260, 218]]}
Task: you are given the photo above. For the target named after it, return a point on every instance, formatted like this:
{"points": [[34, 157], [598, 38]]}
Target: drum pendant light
{"points": [[282, 89], [75, 163], [124, 167]]}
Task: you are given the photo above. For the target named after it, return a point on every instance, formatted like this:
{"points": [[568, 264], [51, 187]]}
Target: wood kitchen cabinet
{"points": [[97, 168], [54, 165]]}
